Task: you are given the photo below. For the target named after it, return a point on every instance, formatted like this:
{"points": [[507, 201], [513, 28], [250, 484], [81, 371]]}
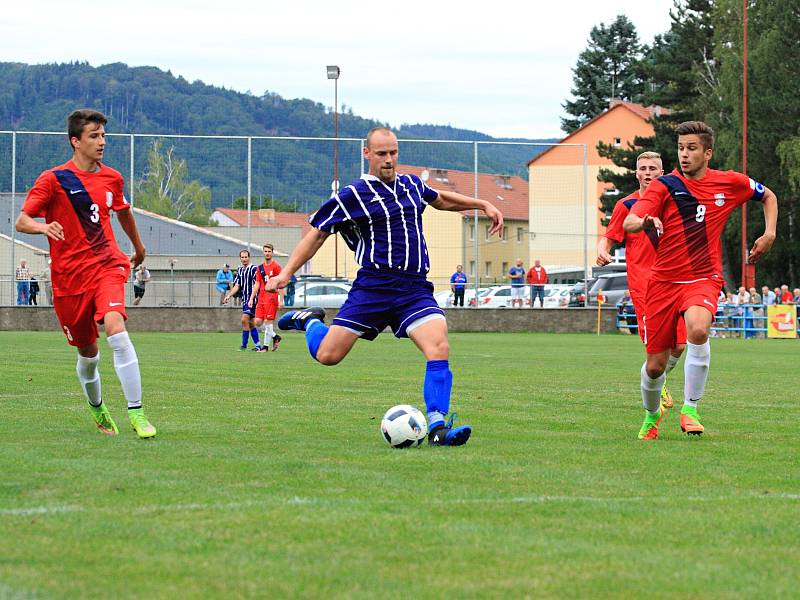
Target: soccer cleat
{"points": [[649, 430], [139, 423], [447, 435], [666, 398], [103, 420], [275, 341], [242, 348], [298, 319], [261, 349], [690, 422]]}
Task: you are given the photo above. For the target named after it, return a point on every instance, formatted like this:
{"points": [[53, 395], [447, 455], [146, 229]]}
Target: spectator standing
{"points": [[224, 281], [537, 278], [757, 322], [140, 280], [797, 295], [458, 285], [23, 277], [288, 298], [786, 295], [767, 295], [44, 278], [34, 291], [517, 275], [777, 291]]}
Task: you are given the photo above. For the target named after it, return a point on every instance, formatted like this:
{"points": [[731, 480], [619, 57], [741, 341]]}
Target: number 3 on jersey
{"points": [[95, 216], [701, 213]]}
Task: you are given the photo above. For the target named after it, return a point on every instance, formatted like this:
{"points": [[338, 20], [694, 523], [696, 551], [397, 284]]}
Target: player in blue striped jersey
{"points": [[243, 280], [380, 218]]}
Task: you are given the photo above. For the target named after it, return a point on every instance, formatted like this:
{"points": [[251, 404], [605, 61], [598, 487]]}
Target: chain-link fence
{"points": [[206, 197]]}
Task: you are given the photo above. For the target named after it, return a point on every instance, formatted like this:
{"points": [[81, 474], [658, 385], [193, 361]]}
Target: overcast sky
{"points": [[502, 68]]}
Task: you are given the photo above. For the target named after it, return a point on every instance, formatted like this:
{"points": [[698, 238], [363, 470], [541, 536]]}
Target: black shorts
{"points": [[138, 292]]}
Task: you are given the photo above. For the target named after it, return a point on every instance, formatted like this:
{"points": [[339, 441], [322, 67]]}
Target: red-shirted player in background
{"points": [[268, 302], [89, 270], [640, 254], [689, 209]]}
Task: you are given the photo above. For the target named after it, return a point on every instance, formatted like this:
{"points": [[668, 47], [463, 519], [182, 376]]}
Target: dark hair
{"points": [[78, 119], [244, 252], [270, 246], [697, 128]]}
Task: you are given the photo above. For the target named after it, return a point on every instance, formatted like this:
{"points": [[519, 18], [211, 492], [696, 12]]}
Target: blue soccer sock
{"points": [[245, 337], [254, 335], [316, 331], [436, 390]]}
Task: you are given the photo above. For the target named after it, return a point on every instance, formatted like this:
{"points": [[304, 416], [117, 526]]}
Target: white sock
{"points": [[269, 330], [673, 360], [90, 378], [651, 391], [695, 369], [126, 363]]}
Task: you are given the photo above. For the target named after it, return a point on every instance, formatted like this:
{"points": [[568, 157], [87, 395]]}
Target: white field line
{"points": [[316, 501]]}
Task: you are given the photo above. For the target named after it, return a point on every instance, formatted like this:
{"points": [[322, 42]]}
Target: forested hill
{"points": [[148, 100]]}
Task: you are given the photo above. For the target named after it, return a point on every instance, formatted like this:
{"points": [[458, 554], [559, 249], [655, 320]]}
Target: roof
{"points": [[267, 217], [509, 193], [643, 112]]}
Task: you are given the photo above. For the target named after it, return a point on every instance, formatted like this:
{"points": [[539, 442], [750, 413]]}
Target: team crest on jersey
{"points": [[109, 199], [376, 198], [720, 199]]}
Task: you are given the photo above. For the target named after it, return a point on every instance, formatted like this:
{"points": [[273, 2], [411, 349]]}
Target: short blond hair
{"points": [[376, 130], [652, 156]]}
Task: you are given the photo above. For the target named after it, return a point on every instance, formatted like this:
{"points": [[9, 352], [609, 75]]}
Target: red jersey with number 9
{"points": [[694, 213], [82, 203]]}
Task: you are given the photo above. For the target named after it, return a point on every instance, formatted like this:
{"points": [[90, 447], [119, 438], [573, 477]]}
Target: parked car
{"points": [[327, 294], [499, 296], [577, 293], [613, 286], [445, 298], [556, 296]]}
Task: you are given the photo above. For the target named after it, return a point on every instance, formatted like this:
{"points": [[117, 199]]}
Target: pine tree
{"points": [[607, 68]]}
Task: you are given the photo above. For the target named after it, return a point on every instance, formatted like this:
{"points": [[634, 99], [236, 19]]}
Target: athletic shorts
{"points": [[517, 293], [249, 310], [378, 300], [267, 309], [666, 303], [639, 304], [138, 292], [80, 314]]}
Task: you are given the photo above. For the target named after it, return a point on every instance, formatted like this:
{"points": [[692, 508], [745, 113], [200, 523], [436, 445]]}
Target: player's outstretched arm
{"points": [[634, 224], [231, 293], [303, 252], [27, 224], [762, 245], [454, 201], [128, 224]]}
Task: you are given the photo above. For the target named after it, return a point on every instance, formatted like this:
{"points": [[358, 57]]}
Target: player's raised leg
{"points": [[695, 368], [430, 336]]}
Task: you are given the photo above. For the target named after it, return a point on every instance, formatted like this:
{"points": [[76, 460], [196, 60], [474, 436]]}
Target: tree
{"points": [[265, 201], [165, 191], [607, 68]]}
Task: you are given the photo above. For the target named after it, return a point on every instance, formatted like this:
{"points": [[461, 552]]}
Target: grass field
{"points": [[288, 491]]}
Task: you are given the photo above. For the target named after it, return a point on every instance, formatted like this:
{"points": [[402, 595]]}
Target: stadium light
{"points": [[333, 73]]}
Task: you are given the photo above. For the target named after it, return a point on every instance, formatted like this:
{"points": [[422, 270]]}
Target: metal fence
{"points": [[747, 321], [262, 172]]}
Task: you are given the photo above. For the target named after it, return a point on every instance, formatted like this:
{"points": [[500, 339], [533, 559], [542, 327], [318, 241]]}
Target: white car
{"points": [[445, 298], [556, 297], [327, 294], [499, 296]]}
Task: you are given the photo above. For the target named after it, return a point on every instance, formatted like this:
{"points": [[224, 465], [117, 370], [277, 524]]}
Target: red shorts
{"points": [[666, 303], [79, 314], [267, 310], [639, 304]]}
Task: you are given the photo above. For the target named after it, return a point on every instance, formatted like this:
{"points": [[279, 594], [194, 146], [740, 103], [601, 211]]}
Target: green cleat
{"points": [[139, 423], [649, 430], [103, 420], [666, 398]]}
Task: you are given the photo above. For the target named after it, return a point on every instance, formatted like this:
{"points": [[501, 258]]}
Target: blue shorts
{"points": [[249, 310], [379, 300]]}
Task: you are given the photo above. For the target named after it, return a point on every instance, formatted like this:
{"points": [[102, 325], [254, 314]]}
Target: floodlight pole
{"points": [[333, 73], [745, 281]]}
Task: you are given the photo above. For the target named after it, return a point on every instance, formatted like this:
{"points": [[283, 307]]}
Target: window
{"points": [[617, 142], [472, 268], [488, 272], [520, 234], [505, 233], [505, 268], [441, 175], [471, 229], [488, 235]]}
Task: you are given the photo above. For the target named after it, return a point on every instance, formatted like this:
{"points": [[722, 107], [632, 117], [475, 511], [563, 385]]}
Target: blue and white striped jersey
{"points": [[381, 223], [245, 278]]}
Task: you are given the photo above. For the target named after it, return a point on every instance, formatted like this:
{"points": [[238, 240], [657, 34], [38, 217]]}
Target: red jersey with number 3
{"points": [[263, 273], [640, 248], [694, 212], [81, 202]]}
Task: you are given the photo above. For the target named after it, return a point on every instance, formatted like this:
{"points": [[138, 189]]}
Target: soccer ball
{"points": [[404, 426]]}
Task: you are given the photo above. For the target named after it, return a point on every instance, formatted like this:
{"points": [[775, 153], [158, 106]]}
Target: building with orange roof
{"points": [[565, 193]]}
